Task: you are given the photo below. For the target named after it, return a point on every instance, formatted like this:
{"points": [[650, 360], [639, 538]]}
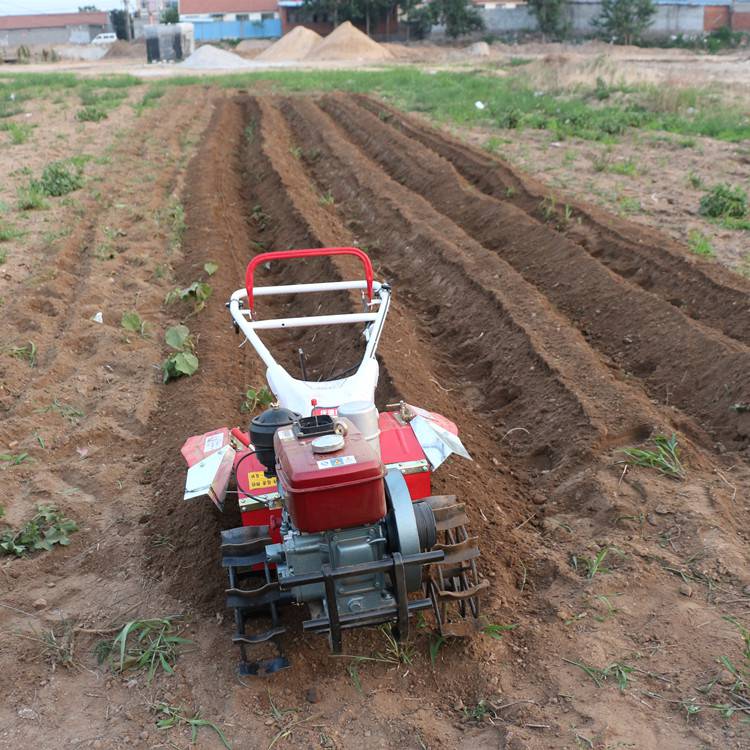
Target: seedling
{"points": [[14, 460], [436, 643], [27, 352], [296, 152], [592, 565], [255, 398], [47, 528], [183, 361], [174, 716], [148, 645], [665, 458], [327, 199], [132, 322], [198, 292], [210, 267]]}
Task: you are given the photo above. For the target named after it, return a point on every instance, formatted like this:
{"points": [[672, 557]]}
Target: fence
{"points": [[213, 31]]}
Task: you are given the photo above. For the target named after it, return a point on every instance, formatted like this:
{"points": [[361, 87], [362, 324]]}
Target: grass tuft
{"points": [[665, 458]]}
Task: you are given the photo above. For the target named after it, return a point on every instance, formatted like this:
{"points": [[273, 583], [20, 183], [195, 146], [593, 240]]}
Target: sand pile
{"points": [[209, 57], [347, 42], [295, 45]]}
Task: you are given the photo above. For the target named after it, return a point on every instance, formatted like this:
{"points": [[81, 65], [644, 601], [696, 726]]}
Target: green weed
{"points": [[91, 113], [210, 267], [327, 199], [700, 244], [618, 670], [665, 458], [71, 413], [27, 351], [149, 645], [174, 716], [47, 528], [19, 132], [9, 232], [31, 198], [724, 202]]}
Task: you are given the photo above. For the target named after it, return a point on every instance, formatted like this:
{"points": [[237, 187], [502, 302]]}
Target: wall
{"points": [[679, 17], [46, 37], [213, 31]]}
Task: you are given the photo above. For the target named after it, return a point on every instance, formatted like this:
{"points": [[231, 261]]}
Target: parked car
{"points": [[106, 38]]}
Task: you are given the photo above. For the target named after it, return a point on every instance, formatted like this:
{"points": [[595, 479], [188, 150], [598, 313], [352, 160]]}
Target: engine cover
{"points": [[329, 482]]}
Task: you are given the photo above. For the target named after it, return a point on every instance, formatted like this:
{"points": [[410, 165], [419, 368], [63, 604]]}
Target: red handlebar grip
{"points": [[312, 252]]}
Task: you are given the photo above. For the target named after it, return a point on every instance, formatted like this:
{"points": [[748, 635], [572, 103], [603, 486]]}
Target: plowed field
{"points": [[555, 336]]}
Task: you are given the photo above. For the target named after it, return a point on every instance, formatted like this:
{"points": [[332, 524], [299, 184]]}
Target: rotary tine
{"points": [[454, 584]]}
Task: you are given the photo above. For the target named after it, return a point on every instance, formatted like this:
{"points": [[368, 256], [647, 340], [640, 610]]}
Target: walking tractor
{"points": [[334, 496]]}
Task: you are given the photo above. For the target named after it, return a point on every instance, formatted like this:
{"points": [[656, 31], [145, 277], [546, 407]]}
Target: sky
{"points": [[22, 7]]}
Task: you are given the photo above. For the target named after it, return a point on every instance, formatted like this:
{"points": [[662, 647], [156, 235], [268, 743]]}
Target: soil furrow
{"points": [[703, 291], [502, 335], [646, 337]]}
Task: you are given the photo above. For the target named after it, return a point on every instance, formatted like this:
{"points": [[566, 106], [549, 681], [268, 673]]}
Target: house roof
{"points": [[227, 6], [54, 20]]}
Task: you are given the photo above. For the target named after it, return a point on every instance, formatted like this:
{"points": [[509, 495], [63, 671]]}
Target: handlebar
{"points": [[308, 253]]}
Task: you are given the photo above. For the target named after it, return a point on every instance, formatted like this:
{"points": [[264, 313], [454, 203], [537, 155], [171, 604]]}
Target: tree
{"points": [[552, 16], [170, 15], [459, 16], [625, 20]]}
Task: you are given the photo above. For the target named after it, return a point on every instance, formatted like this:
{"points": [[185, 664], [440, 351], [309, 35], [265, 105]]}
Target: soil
{"points": [[553, 339], [295, 45]]}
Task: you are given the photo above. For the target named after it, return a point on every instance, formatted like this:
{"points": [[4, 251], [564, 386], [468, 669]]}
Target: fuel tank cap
{"points": [[328, 443]]}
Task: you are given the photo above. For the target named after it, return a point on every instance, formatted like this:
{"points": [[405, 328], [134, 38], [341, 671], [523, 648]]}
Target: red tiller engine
{"points": [[335, 497]]}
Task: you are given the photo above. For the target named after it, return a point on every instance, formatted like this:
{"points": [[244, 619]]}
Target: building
{"points": [[232, 19], [52, 28], [294, 13]]}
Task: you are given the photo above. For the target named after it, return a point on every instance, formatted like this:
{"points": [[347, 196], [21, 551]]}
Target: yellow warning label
{"points": [[257, 480]]}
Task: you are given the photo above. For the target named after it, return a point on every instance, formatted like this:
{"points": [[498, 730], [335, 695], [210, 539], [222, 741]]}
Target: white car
{"points": [[107, 38]]}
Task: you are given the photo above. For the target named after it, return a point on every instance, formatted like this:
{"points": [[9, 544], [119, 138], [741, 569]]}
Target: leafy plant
{"points": [[27, 352], [183, 361], [724, 202], [149, 644], [132, 322], [255, 398], [60, 178], [210, 267], [665, 458], [174, 716], [47, 528], [91, 113], [198, 292]]}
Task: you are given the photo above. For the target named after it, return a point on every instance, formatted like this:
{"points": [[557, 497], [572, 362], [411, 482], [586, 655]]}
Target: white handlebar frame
{"points": [[375, 320]]}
